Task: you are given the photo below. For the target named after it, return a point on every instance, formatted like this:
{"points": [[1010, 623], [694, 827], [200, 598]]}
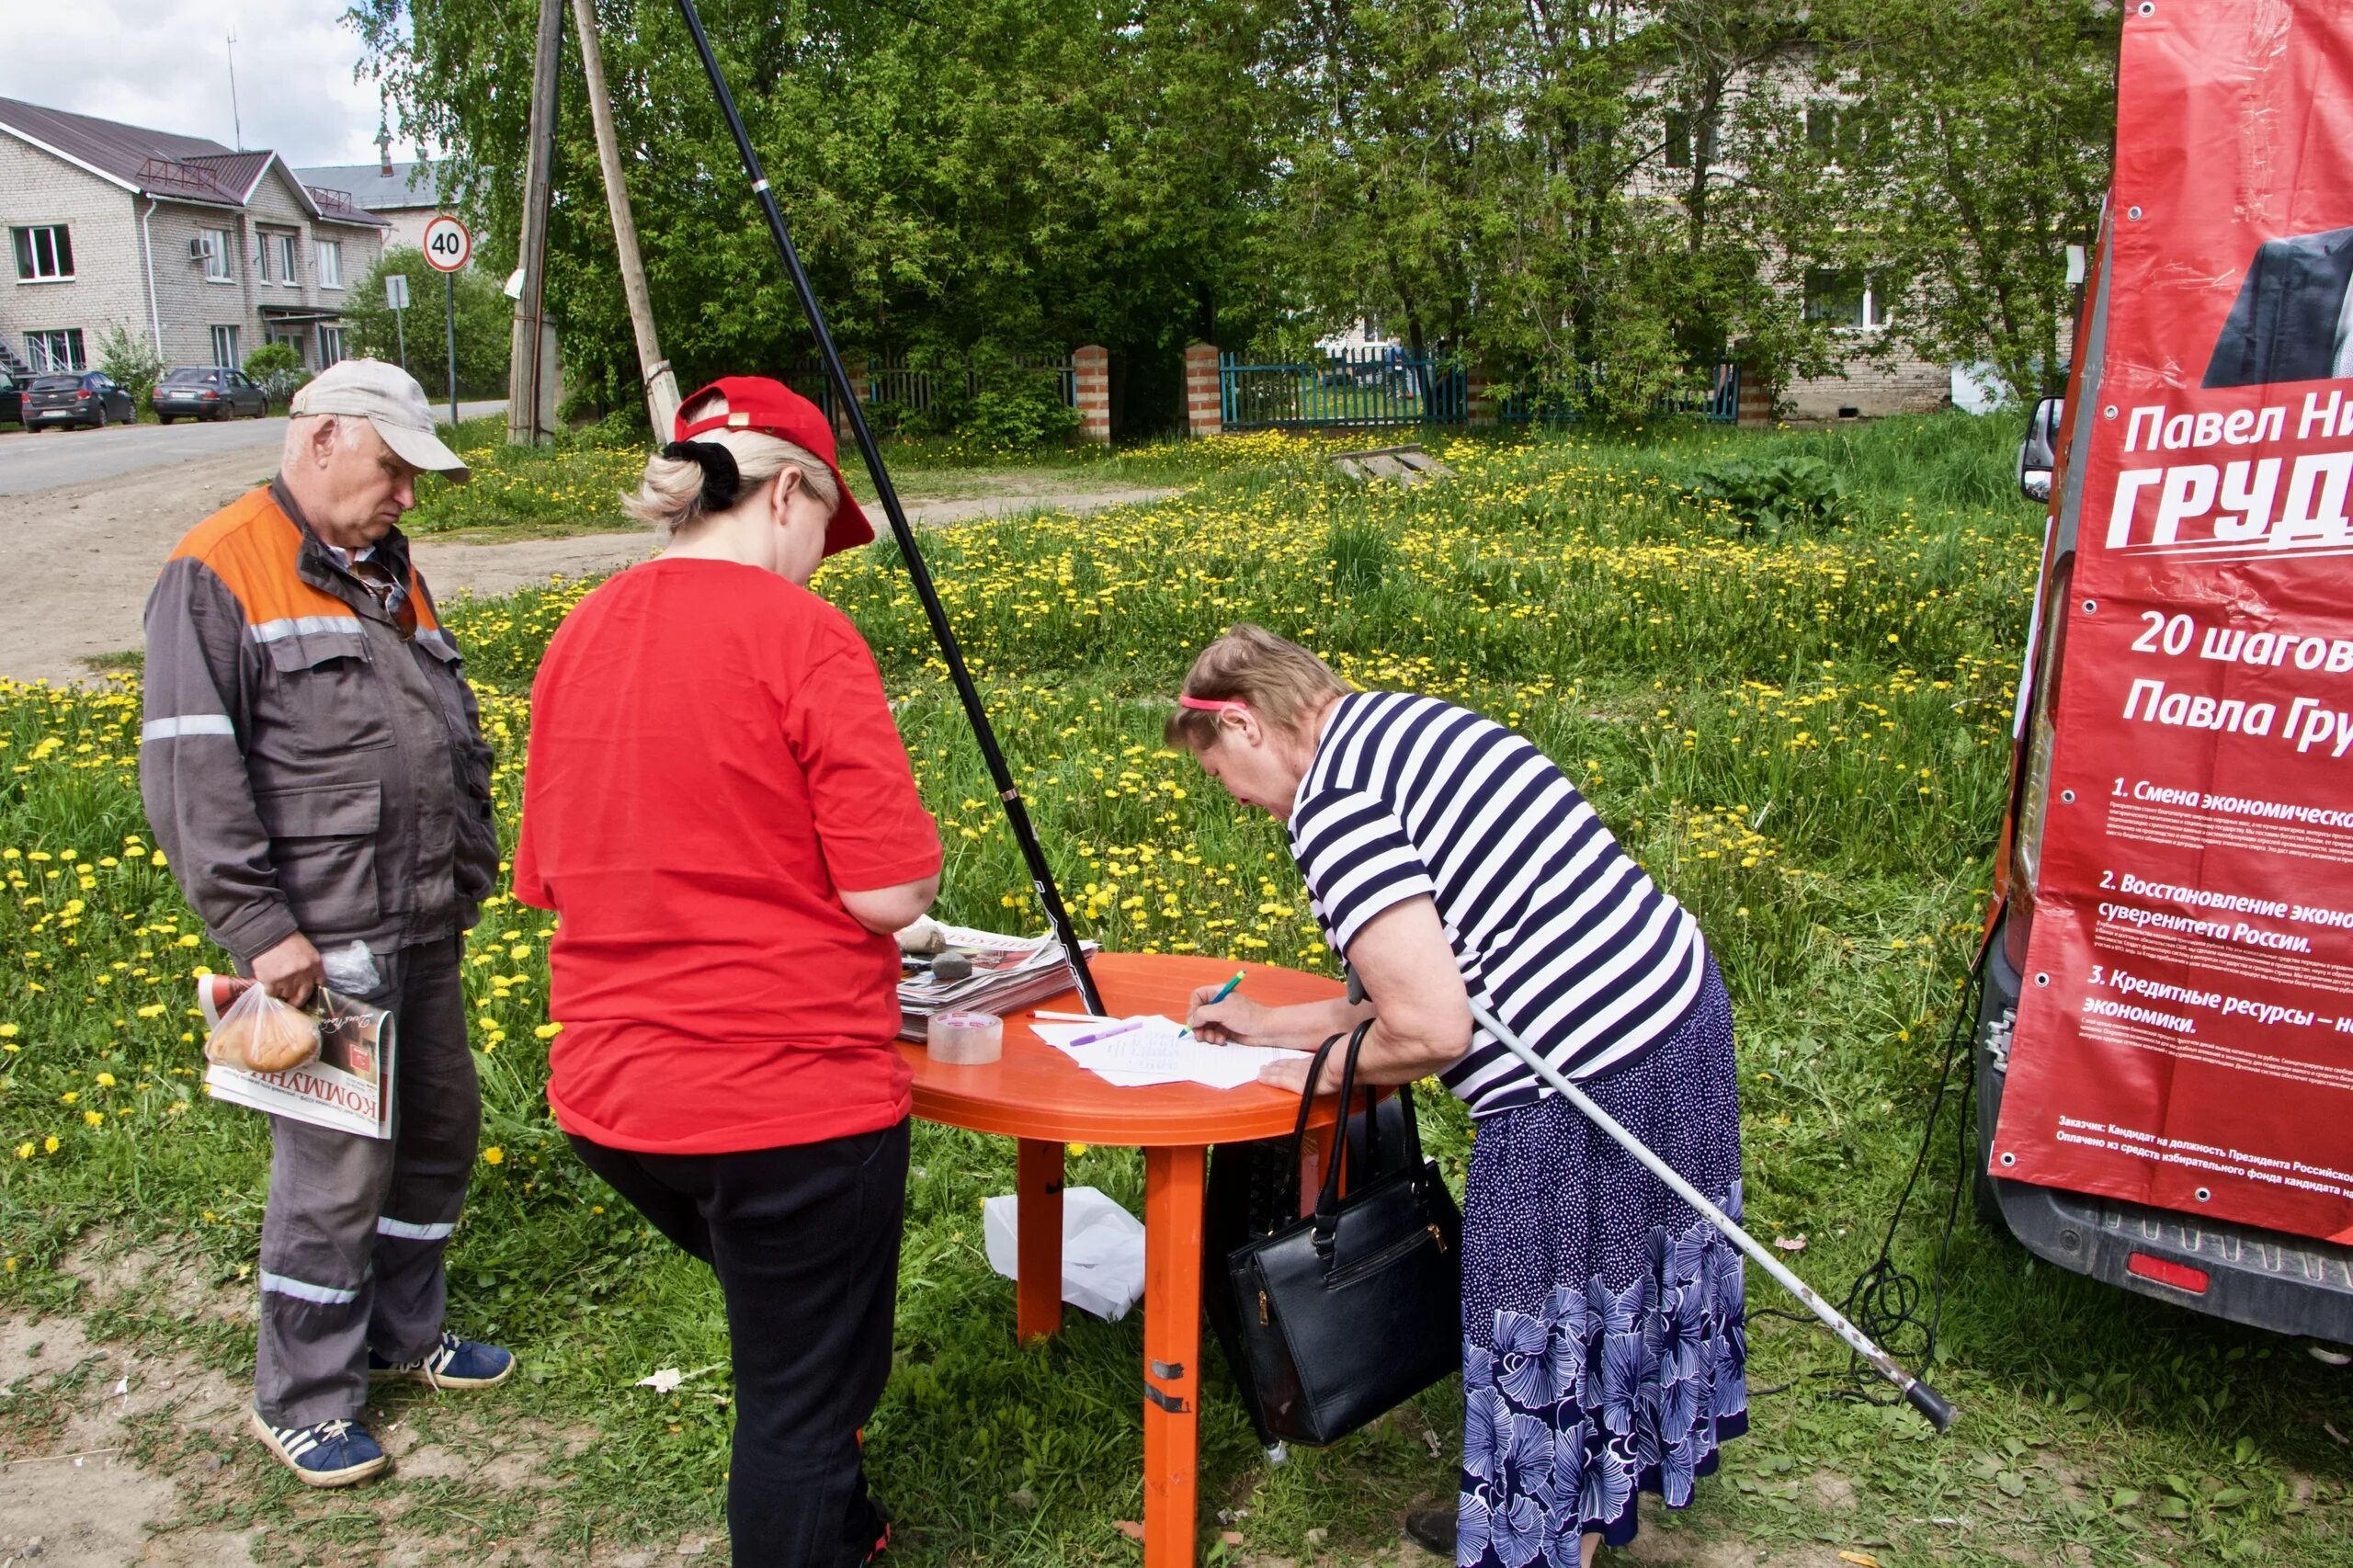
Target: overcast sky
{"points": [[164, 64]]}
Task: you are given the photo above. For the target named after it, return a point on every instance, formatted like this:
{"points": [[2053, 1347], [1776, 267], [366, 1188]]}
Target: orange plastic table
{"points": [[1037, 1095]]}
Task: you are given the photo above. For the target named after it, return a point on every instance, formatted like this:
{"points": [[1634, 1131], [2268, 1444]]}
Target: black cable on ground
{"points": [[1886, 1301]]}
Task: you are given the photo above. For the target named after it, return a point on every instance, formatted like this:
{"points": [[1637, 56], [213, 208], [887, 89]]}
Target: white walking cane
{"points": [[1917, 1394]]}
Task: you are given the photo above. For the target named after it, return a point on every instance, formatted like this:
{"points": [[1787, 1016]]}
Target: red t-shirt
{"points": [[711, 756]]}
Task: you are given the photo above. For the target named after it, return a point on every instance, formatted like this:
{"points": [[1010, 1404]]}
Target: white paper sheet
{"points": [[1158, 1052]]}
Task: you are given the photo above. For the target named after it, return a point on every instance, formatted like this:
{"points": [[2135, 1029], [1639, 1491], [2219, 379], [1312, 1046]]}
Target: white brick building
{"points": [[208, 252]]}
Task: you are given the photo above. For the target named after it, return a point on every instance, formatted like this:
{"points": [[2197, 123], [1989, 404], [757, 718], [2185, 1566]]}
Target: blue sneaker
{"points": [[454, 1363], [332, 1453]]}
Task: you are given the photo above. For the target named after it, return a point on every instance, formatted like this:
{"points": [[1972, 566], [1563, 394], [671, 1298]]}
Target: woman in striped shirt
{"points": [[1449, 861]]}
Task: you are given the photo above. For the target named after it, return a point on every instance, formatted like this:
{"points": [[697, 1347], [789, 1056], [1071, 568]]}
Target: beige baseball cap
{"points": [[387, 398]]}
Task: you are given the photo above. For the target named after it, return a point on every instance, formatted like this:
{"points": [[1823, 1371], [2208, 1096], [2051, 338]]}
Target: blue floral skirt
{"points": [[1603, 1349]]}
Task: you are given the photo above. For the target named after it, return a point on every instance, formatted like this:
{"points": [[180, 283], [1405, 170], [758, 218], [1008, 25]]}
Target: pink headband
{"points": [[1212, 704]]}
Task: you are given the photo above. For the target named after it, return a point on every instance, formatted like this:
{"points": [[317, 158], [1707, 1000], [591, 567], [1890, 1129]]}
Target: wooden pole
{"points": [[523, 370], [661, 386]]}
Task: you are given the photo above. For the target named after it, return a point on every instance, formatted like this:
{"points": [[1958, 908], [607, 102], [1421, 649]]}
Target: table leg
{"points": [[1039, 1221], [1173, 1190]]}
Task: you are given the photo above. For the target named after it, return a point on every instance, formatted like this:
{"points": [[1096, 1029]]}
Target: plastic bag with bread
{"points": [[258, 1032]]}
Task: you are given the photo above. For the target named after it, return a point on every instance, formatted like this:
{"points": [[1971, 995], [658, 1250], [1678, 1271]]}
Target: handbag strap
{"points": [[1327, 1201], [1307, 1101]]}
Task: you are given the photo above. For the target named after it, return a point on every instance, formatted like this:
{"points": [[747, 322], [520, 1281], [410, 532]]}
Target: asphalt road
{"points": [[54, 458]]}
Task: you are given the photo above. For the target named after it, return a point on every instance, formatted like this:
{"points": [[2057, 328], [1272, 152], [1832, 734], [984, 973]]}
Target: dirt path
{"points": [[118, 1451], [76, 561]]}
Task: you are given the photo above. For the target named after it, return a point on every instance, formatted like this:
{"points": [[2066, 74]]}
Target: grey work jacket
{"points": [[304, 767]]}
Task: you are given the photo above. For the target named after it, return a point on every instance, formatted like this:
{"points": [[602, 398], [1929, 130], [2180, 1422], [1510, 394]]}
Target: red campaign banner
{"points": [[2185, 1038]]}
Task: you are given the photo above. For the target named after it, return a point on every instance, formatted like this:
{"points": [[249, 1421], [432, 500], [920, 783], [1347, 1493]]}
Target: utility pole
{"points": [[661, 386], [525, 370]]}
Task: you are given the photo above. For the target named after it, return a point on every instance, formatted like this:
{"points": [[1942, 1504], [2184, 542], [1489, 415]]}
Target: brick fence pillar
{"points": [[859, 388], [1478, 399], [1204, 404], [1754, 409], [1091, 368]]}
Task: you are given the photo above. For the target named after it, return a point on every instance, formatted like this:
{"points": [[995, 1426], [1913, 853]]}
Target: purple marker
{"points": [[1106, 1034]]}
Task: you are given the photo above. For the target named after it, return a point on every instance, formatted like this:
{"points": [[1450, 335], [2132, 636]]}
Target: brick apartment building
{"points": [[208, 252]]}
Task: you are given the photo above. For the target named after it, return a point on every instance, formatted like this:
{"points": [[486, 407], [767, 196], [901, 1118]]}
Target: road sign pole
{"points": [[449, 313], [448, 247], [400, 331]]}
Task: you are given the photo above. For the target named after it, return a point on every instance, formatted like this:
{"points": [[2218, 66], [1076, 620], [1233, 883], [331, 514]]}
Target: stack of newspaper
{"points": [[1006, 972]]}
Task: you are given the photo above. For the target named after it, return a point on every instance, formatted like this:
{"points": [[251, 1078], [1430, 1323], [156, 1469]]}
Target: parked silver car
{"points": [[208, 391]]}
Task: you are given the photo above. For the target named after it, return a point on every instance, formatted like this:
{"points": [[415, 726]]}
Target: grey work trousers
{"points": [[351, 1242]]}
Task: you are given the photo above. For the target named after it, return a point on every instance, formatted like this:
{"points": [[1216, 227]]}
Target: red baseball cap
{"points": [[756, 403]]}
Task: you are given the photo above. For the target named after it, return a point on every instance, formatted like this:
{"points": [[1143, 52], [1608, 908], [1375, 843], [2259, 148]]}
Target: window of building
{"points": [[277, 260], [1852, 135], [330, 254], [1680, 138], [1845, 297], [224, 346], [215, 244], [56, 350], [330, 345], [44, 254]]}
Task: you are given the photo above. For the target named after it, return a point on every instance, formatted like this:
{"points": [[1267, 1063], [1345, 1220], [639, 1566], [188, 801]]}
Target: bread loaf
{"points": [[270, 1037]]}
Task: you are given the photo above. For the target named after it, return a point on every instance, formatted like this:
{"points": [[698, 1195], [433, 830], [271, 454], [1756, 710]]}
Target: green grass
{"points": [[575, 485], [1806, 740]]}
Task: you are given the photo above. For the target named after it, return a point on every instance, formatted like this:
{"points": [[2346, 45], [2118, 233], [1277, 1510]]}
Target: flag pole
{"points": [[1016, 815]]}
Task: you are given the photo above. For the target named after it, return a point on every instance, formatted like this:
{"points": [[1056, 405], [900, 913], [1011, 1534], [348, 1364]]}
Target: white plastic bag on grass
{"points": [[1102, 1249]]}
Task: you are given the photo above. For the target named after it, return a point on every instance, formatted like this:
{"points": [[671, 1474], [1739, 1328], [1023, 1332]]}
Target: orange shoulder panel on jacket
{"points": [[253, 547]]}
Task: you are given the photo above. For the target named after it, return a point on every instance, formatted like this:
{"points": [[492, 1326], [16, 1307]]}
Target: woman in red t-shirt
{"points": [[717, 807]]}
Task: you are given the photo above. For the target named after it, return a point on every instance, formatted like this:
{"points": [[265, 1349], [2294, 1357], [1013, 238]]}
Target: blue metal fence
{"points": [[1350, 387]]}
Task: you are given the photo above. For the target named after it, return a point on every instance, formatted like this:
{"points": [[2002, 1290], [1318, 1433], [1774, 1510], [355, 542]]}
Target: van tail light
{"points": [[2181, 1275]]}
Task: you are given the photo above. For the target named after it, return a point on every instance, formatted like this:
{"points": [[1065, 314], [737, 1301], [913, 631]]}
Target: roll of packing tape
{"points": [[965, 1040]]}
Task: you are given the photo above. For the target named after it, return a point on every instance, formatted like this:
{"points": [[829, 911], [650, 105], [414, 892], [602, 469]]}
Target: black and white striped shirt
{"points": [[1555, 928]]}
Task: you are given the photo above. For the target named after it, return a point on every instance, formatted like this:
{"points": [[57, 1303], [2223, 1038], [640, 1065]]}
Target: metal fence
{"points": [[894, 382], [1719, 403], [1363, 387]]}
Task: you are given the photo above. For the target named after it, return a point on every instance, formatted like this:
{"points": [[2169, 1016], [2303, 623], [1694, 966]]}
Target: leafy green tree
{"points": [[133, 359], [277, 367], [485, 321], [1990, 130], [1025, 175]]}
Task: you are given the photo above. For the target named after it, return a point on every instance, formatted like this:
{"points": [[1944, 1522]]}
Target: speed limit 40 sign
{"points": [[448, 245]]}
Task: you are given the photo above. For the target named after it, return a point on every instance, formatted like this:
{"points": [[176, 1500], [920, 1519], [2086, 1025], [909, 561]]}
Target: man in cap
{"points": [[314, 765]]}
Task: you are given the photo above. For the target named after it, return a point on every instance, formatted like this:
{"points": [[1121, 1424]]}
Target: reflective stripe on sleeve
{"points": [[407, 1231], [185, 724], [305, 625], [302, 1290]]}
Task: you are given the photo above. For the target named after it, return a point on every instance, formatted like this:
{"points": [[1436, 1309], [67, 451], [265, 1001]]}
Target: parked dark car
{"points": [[212, 391], [12, 401], [88, 398]]}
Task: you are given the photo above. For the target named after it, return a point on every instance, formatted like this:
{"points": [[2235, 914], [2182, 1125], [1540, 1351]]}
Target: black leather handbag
{"points": [[1351, 1311]]}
